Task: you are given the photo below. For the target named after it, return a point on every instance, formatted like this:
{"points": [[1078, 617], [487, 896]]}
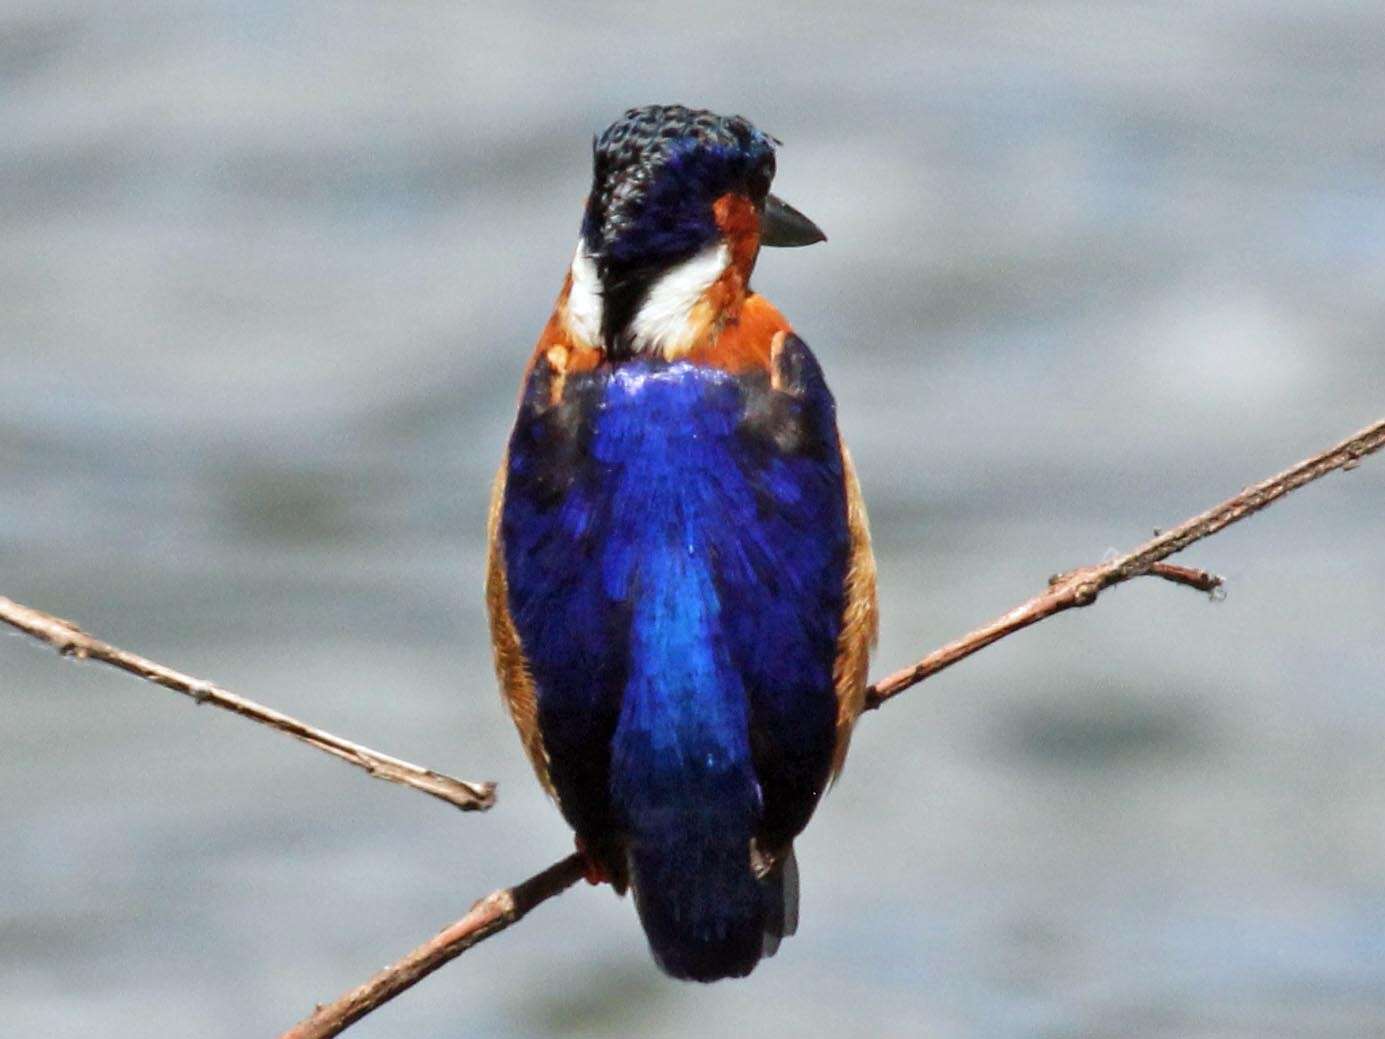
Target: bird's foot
{"points": [[592, 870]]}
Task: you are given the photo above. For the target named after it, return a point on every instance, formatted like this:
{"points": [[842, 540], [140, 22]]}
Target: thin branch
{"points": [[1080, 587], [491, 915], [1075, 588], [71, 641], [1202, 580]]}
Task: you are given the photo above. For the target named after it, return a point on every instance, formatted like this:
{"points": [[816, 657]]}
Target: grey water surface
{"points": [[268, 276]]}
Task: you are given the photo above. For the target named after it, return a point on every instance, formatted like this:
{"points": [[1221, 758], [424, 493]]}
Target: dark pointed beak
{"points": [[782, 225]]}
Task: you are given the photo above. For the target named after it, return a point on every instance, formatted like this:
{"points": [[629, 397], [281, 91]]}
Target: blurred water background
{"points": [[268, 276]]}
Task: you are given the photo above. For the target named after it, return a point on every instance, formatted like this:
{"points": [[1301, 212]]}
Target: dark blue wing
{"points": [[744, 474]]}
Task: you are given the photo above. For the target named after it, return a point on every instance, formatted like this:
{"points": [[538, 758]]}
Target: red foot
{"points": [[591, 869]]}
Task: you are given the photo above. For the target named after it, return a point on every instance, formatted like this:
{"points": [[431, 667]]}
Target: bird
{"points": [[680, 583]]}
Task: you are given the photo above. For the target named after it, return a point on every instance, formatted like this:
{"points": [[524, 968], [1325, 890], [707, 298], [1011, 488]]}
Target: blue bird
{"points": [[680, 583]]}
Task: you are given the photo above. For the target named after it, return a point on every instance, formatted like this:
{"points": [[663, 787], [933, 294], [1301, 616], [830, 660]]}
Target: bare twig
{"points": [[492, 914], [1075, 588], [71, 641], [1080, 587], [1202, 580]]}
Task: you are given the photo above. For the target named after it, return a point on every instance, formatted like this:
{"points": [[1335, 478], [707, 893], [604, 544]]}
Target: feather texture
{"points": [[675, 544]]}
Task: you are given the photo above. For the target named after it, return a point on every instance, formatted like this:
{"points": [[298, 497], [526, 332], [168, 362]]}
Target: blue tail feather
{"points": [[702, 908], [683, 777]]}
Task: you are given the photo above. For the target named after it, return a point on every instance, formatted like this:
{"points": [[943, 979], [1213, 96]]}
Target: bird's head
{"points": [[680, 204]]}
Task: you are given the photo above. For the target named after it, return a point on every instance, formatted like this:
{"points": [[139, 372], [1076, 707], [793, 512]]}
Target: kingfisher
{"points": [[680, 582]]}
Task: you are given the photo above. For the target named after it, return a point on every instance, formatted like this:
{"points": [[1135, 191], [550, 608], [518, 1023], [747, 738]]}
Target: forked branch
{"points": [[499, 910], [1078, 587]]}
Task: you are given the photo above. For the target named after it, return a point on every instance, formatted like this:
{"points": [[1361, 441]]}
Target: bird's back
{"points": [[675, 548]]}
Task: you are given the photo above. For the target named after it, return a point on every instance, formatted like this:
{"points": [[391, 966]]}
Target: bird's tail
{"points": [[685, 786], [708, 914], [702, 908]]}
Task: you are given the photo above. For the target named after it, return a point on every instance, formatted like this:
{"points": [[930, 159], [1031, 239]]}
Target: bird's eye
{"points": [[759, 179]]}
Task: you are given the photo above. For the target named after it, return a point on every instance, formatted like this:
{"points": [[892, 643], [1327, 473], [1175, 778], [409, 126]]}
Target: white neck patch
{"points": [[662, 324], [584, 298]]}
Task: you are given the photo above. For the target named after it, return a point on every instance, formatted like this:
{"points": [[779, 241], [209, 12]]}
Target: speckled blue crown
{"points": [[656, 172]]}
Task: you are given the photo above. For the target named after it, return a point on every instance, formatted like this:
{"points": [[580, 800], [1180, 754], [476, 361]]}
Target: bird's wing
{"points": [[511, 667], [860, 618]]}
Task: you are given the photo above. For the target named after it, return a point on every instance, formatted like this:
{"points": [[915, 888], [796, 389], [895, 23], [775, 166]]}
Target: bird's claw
{"points": [[592, 870]]}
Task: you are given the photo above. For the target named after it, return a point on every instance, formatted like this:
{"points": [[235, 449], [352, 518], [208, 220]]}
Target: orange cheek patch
{"points": [[742, 337], [739, 222]]}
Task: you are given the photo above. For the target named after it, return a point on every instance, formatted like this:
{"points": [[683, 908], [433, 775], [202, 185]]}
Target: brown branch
{"points": [[71, 641], [1202, 580], [1080, 587], [1075, 588], [491, 915]]}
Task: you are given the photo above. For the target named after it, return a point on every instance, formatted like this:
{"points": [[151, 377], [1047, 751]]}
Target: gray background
{"points": [[268, 275]]}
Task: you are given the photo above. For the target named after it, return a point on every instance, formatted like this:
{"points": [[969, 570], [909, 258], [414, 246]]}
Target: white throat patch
{"points": [[584, 298], [663, 323]]}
